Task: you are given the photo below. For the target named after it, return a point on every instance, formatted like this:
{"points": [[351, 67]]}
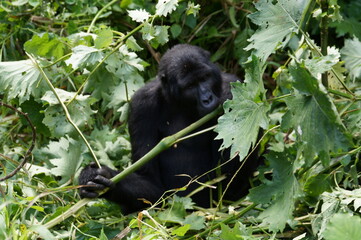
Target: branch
{"points": [[164, 144]]}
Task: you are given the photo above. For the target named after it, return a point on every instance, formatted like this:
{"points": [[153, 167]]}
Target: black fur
{"points": [[187, 87]]}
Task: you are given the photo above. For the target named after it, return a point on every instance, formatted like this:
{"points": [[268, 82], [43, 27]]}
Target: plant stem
{"points": [[164, 144], [66, 111], [324, 36], [226, 221], [99, 13]]}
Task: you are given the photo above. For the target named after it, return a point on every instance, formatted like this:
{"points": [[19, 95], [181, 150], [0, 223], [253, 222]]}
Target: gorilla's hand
{"points": [[95, 179]]}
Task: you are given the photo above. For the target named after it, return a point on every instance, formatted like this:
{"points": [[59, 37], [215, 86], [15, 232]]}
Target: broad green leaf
{"points": [[84, 56], [314, 117], [132, 44], [245, 113], [66, 156], [104, 38], [281, 193], [318, 184], [161, 34], [177, 212], [43, 46], [79, 110], [196, 222], [343, 226], [351, 54], [277, 22], [164, 7], [238, 232], [109, 145], [21, 79], [176, 30], [139, 15], [181, 231]]}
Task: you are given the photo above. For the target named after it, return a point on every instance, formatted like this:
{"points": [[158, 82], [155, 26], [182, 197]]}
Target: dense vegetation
{"points": [[72, 66]]}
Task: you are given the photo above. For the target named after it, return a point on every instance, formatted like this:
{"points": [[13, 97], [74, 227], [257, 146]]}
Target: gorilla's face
{"points": [[200, 89], [190, 80]]}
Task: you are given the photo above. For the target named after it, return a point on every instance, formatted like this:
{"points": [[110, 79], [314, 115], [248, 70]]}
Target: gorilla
{"points": [[187, 87]]}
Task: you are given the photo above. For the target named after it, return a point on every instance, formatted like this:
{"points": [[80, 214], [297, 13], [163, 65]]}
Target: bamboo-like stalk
{"points": [[164, 144]]}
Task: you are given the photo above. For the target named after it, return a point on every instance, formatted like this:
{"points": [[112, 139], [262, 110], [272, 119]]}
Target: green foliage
{"points": [[97, 53], [245, 113], [278, 22], [343, 226]]}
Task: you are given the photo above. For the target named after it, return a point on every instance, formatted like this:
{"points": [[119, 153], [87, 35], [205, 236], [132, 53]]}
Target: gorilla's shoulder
{"points": [[147, 97]]}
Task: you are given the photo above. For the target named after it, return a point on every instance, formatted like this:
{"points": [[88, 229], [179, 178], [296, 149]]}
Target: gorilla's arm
{"points": [[144, 183]]}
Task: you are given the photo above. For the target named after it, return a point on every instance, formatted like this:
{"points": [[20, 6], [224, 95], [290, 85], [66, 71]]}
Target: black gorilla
{"points": [[187, 87]]}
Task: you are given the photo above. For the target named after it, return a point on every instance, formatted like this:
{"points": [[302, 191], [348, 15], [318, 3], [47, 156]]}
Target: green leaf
{"points": [[343, 226], [176, 30], [281, 193], [234, 233], [104, 38], [196, 222], [318, 184], [84, 56], [181, 231], [164, 7], [79, 111], [314, 117], [20, 79], [161, 34], [277, 24], [245, 113], [43, 46], [132, 44], [66, 157], [351, 54]]}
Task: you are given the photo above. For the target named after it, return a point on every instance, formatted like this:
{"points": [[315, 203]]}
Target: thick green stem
{"points": [[164, 144]]}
